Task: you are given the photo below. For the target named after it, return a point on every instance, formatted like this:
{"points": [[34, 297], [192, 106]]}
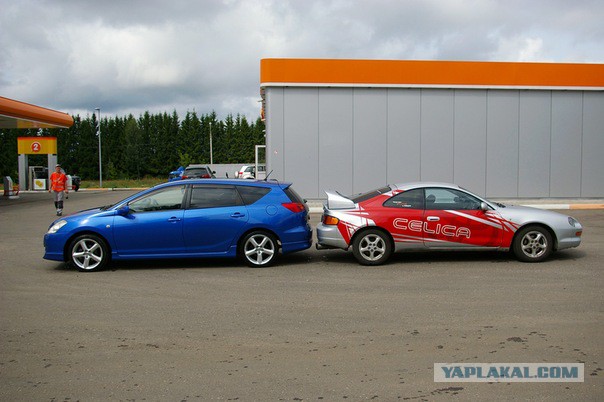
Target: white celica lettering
{"points": [[419, 226]]}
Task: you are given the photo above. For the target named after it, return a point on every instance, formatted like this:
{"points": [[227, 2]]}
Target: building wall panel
{"points": [[566, 144], [534, 143], [275, 120], [335, 140], [437, 121], [404, 135], [301, 139], [470, 140], [369, 138], [502, 144], [592, 177], [497, 143]]}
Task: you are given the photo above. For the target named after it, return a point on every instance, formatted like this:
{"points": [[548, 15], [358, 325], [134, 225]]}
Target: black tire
{"points": [[372, 247], [532, 244], [259, 249], [88, 253]]}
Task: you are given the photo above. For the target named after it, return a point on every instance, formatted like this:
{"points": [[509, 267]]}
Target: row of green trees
{"points": [[132, 148]]}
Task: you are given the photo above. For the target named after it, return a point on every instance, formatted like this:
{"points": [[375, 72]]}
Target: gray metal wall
{"points": [[497, 143]]}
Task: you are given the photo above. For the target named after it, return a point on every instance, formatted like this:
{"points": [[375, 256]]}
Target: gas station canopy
{"points": [[15, 114]]}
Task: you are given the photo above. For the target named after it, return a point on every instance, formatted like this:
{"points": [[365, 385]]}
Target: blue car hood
{"points": [[81, 215], [85, 213]]}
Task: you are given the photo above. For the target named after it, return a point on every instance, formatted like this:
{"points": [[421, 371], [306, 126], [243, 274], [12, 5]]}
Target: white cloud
{"points": [[130, 57], [519, 49]]}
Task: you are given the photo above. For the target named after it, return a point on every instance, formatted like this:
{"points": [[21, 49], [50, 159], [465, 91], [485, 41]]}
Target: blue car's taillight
{"points": [[295, 207]]}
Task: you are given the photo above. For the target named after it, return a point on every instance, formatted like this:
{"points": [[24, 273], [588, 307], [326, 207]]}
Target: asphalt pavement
{"points": [[317, 326]]}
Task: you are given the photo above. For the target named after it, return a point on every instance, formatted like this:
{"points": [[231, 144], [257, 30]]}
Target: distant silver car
{"points": [[439, 216], [249, 172]]}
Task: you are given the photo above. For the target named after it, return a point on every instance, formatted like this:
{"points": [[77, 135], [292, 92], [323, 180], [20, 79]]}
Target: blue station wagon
{"points": [[252, 220]]}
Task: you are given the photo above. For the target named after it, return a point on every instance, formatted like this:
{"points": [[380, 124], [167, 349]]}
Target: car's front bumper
{"points": [[569, 237], [53, 247], [328, 236]]}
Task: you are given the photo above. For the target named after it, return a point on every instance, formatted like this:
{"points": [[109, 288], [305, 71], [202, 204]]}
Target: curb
{"points": [[565, 206], [113, 189], [314, 209], [316, 205]]}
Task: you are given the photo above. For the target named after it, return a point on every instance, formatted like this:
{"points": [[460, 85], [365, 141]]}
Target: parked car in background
{"points": [[75, 182], [439, 216], [253, 220], [245, 172], [176, 174], [249, 172], [198, 172]]}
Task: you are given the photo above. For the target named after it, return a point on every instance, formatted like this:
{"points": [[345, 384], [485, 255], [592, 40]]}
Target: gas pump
{"points": [[38, 178]]}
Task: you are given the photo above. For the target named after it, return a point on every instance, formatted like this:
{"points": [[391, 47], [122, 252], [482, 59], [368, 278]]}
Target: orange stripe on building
{"points": [[324, 72]]}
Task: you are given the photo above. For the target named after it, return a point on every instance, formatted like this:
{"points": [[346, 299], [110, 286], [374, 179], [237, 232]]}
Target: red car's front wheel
{"points": [[533, 244]]}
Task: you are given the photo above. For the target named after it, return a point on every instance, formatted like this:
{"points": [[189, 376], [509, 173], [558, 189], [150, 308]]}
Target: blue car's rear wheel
{"points": [[259, 249], [88, 253]]}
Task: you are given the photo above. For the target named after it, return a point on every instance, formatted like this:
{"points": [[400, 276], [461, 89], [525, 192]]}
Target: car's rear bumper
{"points": [[328, 236], [296, 239]]}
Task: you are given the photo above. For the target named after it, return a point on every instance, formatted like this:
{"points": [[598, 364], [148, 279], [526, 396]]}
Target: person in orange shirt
{"points": [[58, 182]]}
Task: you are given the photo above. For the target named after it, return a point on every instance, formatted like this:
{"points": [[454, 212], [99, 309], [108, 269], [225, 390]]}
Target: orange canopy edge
{"points": [[15, 114], [415, 73]]}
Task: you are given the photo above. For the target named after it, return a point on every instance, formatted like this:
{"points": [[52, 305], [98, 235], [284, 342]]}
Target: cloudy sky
{"points": [[133, 56]]}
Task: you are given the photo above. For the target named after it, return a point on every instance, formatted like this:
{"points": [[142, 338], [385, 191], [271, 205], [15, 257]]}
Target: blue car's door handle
{"points": [[237, 215], [174, 219]]}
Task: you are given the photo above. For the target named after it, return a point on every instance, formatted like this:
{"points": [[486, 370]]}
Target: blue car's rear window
{"points": [[251, 194], [214, 196], [293, 196]]}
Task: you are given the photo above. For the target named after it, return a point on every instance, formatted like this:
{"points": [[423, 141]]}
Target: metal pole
{"points": [[211, 156], [98, 130]]}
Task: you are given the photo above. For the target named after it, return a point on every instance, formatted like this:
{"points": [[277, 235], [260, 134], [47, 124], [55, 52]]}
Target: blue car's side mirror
{"points": [[123, 210]]}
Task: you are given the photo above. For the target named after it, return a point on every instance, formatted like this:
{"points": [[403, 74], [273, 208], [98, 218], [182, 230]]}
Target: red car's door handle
{"points": [[432, 218]]}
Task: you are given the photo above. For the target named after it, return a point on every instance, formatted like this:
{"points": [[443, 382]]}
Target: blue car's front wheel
{"points": [[88, 253], [259, 249]]}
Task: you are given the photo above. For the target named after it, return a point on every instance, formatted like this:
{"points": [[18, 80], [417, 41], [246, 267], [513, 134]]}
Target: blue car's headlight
{"points": [[58, 225]]}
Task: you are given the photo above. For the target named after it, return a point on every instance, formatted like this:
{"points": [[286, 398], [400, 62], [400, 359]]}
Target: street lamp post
{"points": [[98, 131], [211, 156]]}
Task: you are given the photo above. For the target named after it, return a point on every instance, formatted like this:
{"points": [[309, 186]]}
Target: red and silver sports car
{"points": [[438, 216]]}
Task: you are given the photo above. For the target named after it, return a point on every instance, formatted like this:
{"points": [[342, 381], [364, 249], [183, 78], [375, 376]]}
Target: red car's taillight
{"points": [[329, 220], [205, 176], [295, 207]]}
